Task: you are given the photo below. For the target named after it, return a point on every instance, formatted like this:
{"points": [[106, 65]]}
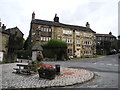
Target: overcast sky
{"points": [[101, 14]]}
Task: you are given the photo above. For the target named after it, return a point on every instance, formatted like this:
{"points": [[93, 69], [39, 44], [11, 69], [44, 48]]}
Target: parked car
{"points": [[119, 55], [113, 51], [118, 50]]}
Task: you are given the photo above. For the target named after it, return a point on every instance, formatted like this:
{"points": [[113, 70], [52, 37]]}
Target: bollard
{"points": [[57, 69]]}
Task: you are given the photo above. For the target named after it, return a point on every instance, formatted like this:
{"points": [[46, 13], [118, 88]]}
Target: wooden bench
{"points": [[24, 70], [17, 70]]}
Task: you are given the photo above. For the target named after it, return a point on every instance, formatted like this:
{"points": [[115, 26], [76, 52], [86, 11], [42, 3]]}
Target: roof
{"points": [[14, 28], [3, 31], [105, 35], [56, 24], [37, 47]]}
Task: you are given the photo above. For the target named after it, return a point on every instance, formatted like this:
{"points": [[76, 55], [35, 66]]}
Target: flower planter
{"points": [[46, 73]]}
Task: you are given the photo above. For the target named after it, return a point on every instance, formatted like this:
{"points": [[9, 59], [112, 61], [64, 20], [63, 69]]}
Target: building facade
{"points": [[105, 43], [4, 39], [80, 40]]}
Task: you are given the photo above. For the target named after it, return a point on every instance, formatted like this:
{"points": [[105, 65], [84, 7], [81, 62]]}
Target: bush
{"points": [[24, 54], [35, 65], [55, 48]]}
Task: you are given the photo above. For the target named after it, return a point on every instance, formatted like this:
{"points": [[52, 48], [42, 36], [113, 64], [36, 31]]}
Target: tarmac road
{"points": [[105, 69]]}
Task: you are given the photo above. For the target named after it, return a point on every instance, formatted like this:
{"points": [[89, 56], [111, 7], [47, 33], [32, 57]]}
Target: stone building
{"points": [[15, 31], [4, 39], [80, 40], [105, 43]]}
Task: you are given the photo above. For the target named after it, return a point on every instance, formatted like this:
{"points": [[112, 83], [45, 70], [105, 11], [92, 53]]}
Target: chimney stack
{"points": [[110, 33], [87, 25], [3, 27], [33, 15], [56, 18]]}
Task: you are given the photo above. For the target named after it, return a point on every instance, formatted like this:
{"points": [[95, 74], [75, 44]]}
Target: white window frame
{"points": [[87, 35], [77, 41], [77, 33], [67, 32], [50, 29]]}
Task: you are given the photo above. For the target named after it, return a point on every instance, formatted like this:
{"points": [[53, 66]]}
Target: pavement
{"points": [[68, 76]]}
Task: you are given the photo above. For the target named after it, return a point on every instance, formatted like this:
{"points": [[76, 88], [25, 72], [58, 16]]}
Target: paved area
{"points": [[68, 76]]}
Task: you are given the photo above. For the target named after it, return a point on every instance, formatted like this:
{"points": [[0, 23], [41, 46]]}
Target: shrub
{"points": [[35, 65], [55, 48], [24, 54]]}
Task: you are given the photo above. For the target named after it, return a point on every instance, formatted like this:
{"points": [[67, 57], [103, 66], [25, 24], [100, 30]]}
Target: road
{"points": [[105, 69]]}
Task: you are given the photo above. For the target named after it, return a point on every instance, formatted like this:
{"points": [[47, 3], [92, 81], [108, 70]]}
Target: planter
{"points": [[46, 73]]}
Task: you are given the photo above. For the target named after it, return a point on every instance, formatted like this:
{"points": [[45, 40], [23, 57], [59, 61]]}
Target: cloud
{"points": [[102, 14]]}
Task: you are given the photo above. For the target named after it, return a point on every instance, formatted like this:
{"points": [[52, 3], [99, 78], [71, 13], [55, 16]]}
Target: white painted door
{"points": [[78, 53], [1, 56]]}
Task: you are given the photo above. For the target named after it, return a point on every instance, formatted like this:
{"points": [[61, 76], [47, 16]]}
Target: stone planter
{"points": [[46, 73]]}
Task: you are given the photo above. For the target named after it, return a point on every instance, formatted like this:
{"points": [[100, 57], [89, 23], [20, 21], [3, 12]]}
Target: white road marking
{"points": [[102, 63], [93, 86], [115, 64], [106, 64]]}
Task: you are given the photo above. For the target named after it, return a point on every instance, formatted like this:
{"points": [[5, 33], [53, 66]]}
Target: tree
{"points": [[15, 44], [57, 48]]}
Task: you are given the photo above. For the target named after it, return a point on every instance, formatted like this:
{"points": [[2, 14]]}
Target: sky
{"points": [[102, 15]]}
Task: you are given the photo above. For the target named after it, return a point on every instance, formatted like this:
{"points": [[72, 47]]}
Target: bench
{"points": [[17, 70], [25, 70]]}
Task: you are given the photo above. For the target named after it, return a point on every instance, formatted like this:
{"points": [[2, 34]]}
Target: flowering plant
{"points": [[46, 71], [43, 66], [34, 65]]}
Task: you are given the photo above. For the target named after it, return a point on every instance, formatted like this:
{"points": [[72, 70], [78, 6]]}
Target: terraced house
{"points": [[80, 40]]}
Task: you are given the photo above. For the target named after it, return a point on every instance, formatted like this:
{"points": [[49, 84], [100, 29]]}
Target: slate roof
{"points": [[37, 47], [56, 24], [105, 35], [3, 31], [14, 28]]}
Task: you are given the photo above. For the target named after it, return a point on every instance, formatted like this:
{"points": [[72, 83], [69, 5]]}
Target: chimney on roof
{"points": [[56, 18], [87, 25], [110, 33], [3, 27], [33, 15]]}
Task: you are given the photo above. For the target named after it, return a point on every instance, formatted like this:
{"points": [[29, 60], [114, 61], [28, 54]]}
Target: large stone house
{"points": [[80, 40], [105, 43]]}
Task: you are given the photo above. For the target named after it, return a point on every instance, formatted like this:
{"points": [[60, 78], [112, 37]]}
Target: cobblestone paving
{"points": [[68, 76]]}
